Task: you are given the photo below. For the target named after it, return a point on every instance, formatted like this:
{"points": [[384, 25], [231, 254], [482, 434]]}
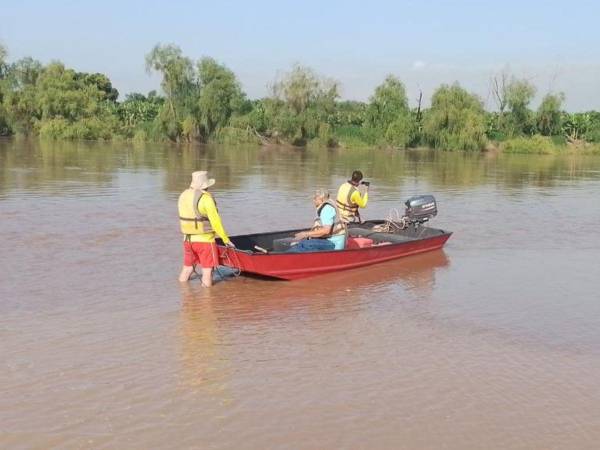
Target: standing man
{"points": [[200, 222], [352, 195]]}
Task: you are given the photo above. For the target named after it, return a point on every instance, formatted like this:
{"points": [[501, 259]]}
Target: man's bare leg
{"points": [[186, 272], [207, 277]]}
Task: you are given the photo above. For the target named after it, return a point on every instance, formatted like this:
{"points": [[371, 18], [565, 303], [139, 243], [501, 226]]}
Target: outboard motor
{"points": [[420, 209]]}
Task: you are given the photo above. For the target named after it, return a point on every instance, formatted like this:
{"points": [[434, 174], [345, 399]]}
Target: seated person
{"points": [[328, 233]]}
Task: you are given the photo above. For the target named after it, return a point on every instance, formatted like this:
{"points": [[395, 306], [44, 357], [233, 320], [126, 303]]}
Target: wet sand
{"points": [[491, 343]]}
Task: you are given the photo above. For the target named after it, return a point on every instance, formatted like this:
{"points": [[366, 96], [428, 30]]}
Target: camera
{"points": [[366, 183]]}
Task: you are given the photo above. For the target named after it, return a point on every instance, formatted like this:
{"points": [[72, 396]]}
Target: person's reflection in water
{"points": [[201, 364]]}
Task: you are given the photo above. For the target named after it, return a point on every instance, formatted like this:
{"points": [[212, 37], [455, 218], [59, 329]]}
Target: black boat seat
{"points": [[357, 232], [377, 236]]}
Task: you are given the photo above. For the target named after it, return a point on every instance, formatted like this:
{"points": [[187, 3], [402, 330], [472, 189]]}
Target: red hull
{"points": [[293, 266]]}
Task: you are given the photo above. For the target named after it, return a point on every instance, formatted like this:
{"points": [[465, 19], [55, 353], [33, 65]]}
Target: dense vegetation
{"points": [[204, 101]]}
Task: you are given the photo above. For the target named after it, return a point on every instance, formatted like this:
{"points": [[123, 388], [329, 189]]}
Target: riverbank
{"points": [[203, 101], [535, 145]]}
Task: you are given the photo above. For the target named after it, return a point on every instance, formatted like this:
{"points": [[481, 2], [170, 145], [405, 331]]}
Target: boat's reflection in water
{"points": [[213, 319], [244, 298]]}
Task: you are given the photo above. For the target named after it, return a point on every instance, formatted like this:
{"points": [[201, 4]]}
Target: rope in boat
{"points": [[236, 273], [238, 267], [395, 222]]}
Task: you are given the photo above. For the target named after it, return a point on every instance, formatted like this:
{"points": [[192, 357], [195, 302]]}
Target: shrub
{"points": [[356, 136], [593, 134], [455, 121], [401, 132], [231, 135], [140, 136], [534, 145], [549, 117], [53, 128]]}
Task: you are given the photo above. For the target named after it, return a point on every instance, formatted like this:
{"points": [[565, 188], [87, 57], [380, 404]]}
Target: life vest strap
{"points": [[346, 207], [196, 220], [336, 228]]}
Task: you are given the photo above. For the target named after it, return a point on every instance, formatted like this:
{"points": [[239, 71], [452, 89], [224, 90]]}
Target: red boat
{"points": [[259, 254]]}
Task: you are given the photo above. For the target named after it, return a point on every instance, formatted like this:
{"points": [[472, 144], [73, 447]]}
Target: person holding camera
{"points": [[353, 194]]}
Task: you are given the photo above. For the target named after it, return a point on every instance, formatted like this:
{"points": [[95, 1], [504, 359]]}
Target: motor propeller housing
{"points": [[420, 208]]}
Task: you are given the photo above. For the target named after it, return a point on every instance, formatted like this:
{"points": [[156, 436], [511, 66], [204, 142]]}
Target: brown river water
{"points": [[493, 342]]}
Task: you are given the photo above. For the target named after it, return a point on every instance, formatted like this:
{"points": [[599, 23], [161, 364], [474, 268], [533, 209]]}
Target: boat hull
{"points": [[293, 266]]}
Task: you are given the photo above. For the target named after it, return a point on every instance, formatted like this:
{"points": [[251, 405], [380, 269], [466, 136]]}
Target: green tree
{"points": [[137, 110], [301, 104], [282, 122], [402, 132], [20, 98], [70, 108], [3, 55], [178, 84], [586, 126], [254, 120], [350, 113], [4, 128], [456, 120], [102, 82], [387, 104], [298, 88], [575, 125], [388, 113], [23, 73], [221, 95], [593, 132], [519, 94], [549, 117]]}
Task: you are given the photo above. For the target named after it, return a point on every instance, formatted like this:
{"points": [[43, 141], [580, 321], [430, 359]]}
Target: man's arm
{"points": [[360, 200], [316, 233], [215, 219], [327, 219]]}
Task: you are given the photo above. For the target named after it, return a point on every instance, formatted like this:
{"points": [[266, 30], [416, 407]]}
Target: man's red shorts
{"points": [[203, 253]]}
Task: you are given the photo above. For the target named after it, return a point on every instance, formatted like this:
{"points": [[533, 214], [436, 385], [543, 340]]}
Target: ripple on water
{"points": [[490, 343]]}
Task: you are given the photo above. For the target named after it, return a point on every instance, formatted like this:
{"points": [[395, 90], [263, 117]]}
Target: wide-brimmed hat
{"points": [[200, 180]]}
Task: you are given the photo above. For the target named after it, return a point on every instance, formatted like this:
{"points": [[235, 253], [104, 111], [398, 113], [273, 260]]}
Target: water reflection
{"points": [[415, 273], [43, 165], [255, 299], [209, 318], [201, 362], [95, 327]]}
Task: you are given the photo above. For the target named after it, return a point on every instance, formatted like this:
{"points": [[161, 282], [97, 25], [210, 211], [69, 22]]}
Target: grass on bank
{"points": [[544, 145]]}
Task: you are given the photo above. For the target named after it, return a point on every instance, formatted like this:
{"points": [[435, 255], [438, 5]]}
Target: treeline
{"points": [[203, 101]]}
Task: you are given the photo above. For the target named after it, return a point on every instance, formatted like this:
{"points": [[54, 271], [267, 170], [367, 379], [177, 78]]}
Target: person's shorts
{"points": [[203, 253]]}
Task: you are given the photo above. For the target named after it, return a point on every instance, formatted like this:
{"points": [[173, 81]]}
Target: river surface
{"points": [[493, 342]]}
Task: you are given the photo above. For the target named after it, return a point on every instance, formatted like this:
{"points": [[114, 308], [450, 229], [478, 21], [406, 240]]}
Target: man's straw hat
{"points": [[200, 181]]}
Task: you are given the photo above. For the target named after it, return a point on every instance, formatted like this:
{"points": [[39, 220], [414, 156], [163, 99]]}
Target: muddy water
{"points": [[492, 343]]}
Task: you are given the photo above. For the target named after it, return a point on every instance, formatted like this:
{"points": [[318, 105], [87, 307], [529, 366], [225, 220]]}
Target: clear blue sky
{"points": [[554, 43]]}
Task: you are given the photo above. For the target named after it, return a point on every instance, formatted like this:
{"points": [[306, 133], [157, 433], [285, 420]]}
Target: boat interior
{"points": [[366, 234]]}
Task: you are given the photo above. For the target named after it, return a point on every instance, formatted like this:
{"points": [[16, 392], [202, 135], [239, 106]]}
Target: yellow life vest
{"points": [[347, 208], [337, 228], [191, 220]]}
